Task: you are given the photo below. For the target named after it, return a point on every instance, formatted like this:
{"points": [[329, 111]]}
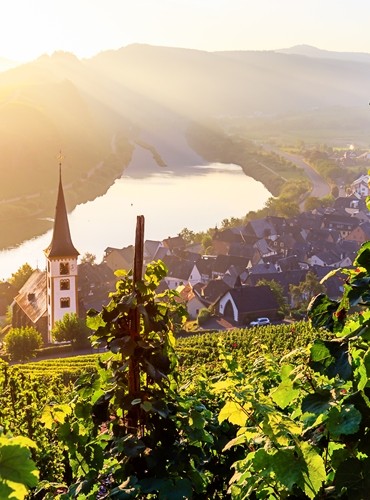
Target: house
{"points": [[212, 291], [95, 282], [202, 270], [223, 262], [327, 258], [243, 304], [260, 228], [284, 279], [153, 250], [349, 204], [338, 222], [222, 240], [361, 186], [360, 233], [119, 258], [179, 271], [191, 300], [174, 243], [29, 307]]}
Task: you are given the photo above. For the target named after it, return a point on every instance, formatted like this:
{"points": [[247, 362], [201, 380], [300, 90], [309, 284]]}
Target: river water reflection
{"points": [[169, 203]]}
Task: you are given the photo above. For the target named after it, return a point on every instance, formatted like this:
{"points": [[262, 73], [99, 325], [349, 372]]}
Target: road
{"points": [[320, 187]]}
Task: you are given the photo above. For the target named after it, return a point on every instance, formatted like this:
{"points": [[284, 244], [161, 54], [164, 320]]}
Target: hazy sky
{"points": [[29, 28]]}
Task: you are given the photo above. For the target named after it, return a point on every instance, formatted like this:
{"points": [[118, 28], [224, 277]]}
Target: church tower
{"points": [[61, 273]]}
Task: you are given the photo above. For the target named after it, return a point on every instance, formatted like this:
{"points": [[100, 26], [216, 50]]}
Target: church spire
{"points": [[61, 244]]}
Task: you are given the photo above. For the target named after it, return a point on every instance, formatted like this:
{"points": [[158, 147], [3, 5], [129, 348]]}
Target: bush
{"points": [[21, 343], [71, 329], [203, 316]]}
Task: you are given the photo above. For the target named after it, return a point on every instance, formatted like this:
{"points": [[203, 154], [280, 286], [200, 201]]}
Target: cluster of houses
{"points": [[270, 248]]}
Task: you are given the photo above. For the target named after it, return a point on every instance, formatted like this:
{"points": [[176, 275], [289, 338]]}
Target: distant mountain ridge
{"points": [[310, 51], [83, 106]]}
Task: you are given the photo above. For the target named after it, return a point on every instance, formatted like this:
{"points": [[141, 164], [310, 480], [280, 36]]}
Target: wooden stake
{"points": [[134, 369]]}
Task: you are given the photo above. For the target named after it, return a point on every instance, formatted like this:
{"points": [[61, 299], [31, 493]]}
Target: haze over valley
{"points": [[98, 110]]}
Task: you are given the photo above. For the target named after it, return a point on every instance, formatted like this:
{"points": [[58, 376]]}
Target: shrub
{"points": [[72, 329], [21, 343], [203, 316]]}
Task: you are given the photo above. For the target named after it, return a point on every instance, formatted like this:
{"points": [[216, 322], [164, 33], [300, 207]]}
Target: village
{"points": [[230, 282]]}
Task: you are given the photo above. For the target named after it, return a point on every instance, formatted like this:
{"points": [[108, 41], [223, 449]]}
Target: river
{"points": [[198, 201]]}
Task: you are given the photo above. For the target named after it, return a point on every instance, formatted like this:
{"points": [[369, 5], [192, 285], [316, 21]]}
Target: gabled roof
{"points": [[245, 250], [178, 268], [263, 247], [32, 296], [223, 262], [252, 299], [205, 266], [61, 244], [174, 242], [231, 235], [262, 228], [151, 248], [232, 276], [213, 290], [284, 279]]}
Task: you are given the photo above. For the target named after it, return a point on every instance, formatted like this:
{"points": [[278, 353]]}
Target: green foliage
{"points": [[309, 287], [274, 412], [21, 343], [18, 472], [19, 278], [88, 258], [22, 399], [129, 430], [203, 316], [72, 329]]}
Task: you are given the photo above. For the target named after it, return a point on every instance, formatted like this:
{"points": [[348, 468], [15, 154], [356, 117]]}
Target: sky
{"points": [[30, 28]]}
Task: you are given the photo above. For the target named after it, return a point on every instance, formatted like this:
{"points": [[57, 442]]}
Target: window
{"points": [[64, 268], [64, 284], [64, 302]]}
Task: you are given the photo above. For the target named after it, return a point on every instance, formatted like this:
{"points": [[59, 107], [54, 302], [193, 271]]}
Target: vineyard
{"points": [[274, 412], [31, 390]]}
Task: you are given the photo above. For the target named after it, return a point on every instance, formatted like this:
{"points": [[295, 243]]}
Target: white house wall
{"points": [[222, 305]]}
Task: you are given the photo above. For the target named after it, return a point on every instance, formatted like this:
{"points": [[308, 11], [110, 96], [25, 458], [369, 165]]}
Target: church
{"points": [[48, 295]]}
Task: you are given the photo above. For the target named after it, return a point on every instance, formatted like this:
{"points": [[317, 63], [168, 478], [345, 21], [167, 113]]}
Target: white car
{"points": [[260, 322]]}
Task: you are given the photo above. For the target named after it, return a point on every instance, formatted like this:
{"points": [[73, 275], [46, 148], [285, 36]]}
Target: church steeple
{"points": [[61, 244], [62, 269]]}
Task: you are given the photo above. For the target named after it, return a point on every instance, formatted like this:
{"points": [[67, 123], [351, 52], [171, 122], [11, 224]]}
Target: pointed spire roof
{"points": [[61, 244]]}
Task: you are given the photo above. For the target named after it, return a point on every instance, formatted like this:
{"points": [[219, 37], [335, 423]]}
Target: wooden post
{"points": [[134, 372]]}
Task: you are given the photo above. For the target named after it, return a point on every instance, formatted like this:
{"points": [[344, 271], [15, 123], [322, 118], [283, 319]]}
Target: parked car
{"points": [[260, 322]]}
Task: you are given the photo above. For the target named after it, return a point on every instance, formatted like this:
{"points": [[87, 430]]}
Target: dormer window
{"points": [[64, 268]]}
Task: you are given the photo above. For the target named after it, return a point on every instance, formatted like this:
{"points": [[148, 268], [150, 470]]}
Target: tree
{"points": [[302, 293], [282, 207], [88, 258], [72, 329], [278, 292], [21, 343], [19, 278], [187, 235], [311, 203]]}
